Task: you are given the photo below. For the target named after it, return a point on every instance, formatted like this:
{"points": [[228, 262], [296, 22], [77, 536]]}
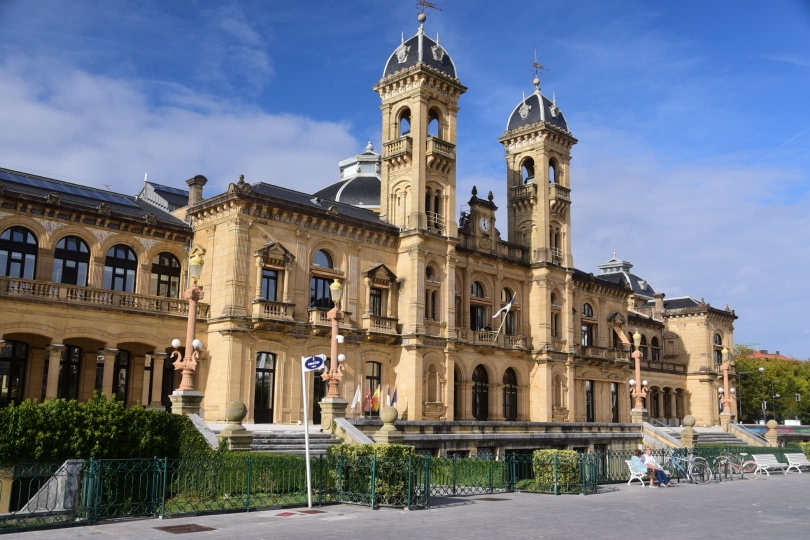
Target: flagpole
{"points": [[503, 320]]}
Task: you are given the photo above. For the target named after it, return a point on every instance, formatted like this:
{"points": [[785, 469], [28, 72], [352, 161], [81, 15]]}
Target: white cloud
{"points": [[100, 130]]}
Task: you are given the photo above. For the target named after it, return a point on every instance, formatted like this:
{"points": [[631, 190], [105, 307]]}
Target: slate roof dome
{"points": [[360, 184], [536, 108], [618, 271], [420, 48]]}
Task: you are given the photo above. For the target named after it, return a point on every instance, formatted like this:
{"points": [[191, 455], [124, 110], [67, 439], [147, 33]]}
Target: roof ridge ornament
{"points": [[525, 108], [402, 51], [537, 67], [437, 50]]}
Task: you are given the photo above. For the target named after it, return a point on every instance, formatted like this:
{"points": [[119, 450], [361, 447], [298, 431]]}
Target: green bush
{"points": [[805, 446], [60, 429], [390, 463], [557, 471]]}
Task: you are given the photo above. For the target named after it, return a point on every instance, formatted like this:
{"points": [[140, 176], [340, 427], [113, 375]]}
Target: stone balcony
{"points": [[276, 311], [527, 191], [60, 293], [376, 323], [491, 337]]}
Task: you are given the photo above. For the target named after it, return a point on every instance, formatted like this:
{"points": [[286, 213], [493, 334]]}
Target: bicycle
{"points": [[727, 465], [696, 469]]}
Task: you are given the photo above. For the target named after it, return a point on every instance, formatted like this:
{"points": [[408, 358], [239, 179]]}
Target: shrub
{"points": [[557, 471], [356, 463], [805, 446], [60, 429]]}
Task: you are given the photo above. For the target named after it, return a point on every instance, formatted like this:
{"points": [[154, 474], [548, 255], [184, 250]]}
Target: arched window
{"points": [[656, 349], [557, 392], [555, 241], [588, 328], [323, 259], [13, 358], [69, 369], [527, 171], [71, 259], [510, 406], [405, 123], [434, 124], [120, 269], [432, 311], [18, 253], [510, 324], [718, 349], [480, 393], [165, 276], [478, 312], [552, 172], [587, 310], [643, 348]]}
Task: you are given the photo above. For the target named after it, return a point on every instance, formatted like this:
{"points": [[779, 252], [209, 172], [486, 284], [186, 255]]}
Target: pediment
{"points": [[617, 318], [380, 272], [275, 253], [670, 335]]}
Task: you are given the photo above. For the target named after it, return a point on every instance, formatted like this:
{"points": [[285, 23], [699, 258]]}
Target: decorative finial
{"points": [[403, 38], [369, 147], [614, 253], [475, 191], [490, 196], [241, 178], [423, 5]]}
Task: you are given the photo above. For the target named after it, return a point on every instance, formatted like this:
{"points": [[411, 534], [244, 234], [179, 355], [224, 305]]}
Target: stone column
{"points": [[96, 272], [659, 396], [143, 279], [44, 264], [88, 375], [158, 360], [673, 403], [109, 368], [55, 353], [36, 374], [136, 372]]}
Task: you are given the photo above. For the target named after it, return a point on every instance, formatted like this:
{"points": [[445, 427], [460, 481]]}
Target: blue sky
{"points": [[692, 117]]}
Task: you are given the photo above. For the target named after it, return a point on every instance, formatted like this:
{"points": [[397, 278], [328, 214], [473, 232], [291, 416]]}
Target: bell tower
{"points": [[419, 91], [538, 157]]}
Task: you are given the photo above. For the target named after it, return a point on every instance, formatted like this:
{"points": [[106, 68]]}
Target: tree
{"points": [[789, 379]]}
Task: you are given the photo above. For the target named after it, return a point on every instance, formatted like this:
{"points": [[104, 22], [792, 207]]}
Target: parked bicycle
{"points": [[727, 465], [696, 469]]}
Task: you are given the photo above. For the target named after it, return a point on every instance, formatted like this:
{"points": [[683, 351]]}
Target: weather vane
{"points": [[536, 66], [422, 5]]}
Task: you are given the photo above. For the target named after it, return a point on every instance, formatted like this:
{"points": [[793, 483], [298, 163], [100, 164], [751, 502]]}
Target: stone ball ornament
{"points": [[689, 420], [772, 424], [389, 414], [235, 411]]}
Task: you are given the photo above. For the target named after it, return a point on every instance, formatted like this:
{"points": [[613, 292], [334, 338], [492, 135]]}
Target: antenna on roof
{"points": [[107, 186], [537, 67], [422, 5]]}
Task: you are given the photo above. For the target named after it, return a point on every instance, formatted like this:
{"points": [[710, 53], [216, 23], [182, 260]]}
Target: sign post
{"points": [[309, 363]]}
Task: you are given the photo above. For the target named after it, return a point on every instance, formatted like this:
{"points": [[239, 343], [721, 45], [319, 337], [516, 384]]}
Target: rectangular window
{"points": [[590, 412], [270, 284], [478, 318], [588, 335], [319, 295], [614, 402], [376, 299]]}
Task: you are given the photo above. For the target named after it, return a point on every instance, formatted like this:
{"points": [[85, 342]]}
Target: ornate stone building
{"points": [[93, 280]]}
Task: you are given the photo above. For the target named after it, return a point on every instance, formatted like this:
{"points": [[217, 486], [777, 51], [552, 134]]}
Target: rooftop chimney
{"points": [[195, 189], [659, 306]]}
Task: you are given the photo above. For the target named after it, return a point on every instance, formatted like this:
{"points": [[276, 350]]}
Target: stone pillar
{"points": [[331, 408], [238, 438], [88, 375], [638, 416], [158, 360], [136, 373], [659, 397], [36, 374], [96, 272], [44, 264], [143, 279], [725, 420], [771, 435], [689, 437], [55, 352], [388, 434], [673, 405], [109, 368], [186, 401]]}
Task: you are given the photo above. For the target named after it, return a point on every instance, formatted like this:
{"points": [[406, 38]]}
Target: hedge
{"points": [[60, 429], [355, 463]]}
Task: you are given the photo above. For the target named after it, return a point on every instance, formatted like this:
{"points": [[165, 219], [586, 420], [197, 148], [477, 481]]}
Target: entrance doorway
{"points": [[265, 387]]}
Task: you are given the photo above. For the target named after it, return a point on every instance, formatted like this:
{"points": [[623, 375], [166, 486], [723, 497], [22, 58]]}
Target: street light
{"points": [[638, 392], [193, 346], [335, 315], [726, 395]]}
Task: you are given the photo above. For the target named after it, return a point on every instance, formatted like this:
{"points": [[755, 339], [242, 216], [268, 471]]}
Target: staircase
{"points": [[712, 436], [291, 442]]}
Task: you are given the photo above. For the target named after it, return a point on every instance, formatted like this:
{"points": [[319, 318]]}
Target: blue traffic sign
{"points": [[313, 362]]}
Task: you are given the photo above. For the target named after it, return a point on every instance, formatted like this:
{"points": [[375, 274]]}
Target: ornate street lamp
{"points": [[335, 374], [638, 387], [186, 398], [726, 395]]}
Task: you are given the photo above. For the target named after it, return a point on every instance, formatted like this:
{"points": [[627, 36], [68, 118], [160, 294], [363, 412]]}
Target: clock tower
{"points": [[480, 225]]}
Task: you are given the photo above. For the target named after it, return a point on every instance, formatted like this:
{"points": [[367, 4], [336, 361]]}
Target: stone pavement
{"points": [[769, 508]]}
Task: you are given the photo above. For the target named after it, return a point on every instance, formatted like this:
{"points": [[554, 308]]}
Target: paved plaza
{"points": [[775, 507]]}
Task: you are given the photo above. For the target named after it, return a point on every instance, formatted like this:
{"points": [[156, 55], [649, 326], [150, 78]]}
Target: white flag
{"points": [[356, 399], [505, 308]]}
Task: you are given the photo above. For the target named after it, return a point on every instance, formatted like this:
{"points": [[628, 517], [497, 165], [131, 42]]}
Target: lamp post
{"points": [[638, 387], [334, 406], [774, 397], [726, 394], [186, 399]]}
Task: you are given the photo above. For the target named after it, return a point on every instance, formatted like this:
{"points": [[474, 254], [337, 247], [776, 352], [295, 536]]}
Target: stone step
{"points": [[292, 442]]}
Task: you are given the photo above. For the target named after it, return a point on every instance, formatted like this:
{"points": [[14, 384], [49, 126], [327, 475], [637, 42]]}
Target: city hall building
{"points": [[91, 283]]}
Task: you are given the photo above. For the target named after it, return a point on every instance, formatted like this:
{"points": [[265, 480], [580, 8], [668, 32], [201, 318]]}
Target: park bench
{"points": [[797, 461], [635, 475], [768, 462]]}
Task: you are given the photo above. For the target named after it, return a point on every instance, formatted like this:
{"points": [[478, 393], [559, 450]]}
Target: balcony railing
{"points": [[90, 296], [267, 309], [527, 191], [664, 366], [398, 147], [376, 323], [514, 342], [556, 191], [443, 148], [320, 316]]}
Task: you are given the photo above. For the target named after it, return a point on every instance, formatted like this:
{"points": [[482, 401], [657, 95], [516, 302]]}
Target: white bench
{"points": [[767, 462], [797, 461], [635, 475]]}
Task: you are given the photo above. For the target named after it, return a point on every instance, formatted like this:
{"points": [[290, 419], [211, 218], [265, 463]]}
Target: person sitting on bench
{"points": [[656, 471], [637, 465]]}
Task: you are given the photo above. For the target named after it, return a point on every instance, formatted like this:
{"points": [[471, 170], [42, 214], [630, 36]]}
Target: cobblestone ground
{"points": [[769, 508]]}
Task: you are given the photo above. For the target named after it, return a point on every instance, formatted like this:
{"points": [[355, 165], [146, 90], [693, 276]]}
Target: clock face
{"points": [[484, 224]]}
